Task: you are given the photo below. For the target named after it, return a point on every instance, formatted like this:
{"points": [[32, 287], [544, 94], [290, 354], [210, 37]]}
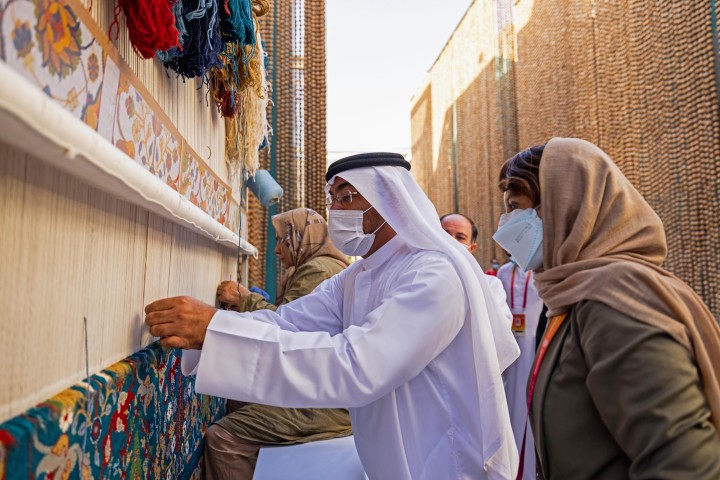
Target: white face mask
{"points": [[346, 232], [520, 233]]}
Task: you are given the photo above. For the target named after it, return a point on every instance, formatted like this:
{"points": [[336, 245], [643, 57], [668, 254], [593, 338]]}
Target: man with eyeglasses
{"points": [[409, 337]]}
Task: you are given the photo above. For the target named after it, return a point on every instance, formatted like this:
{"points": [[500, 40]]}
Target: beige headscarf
{"points": [[303, 235], [603, 242]]}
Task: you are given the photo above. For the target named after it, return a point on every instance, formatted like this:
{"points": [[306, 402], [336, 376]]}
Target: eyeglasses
{"points": [[343, 199]]}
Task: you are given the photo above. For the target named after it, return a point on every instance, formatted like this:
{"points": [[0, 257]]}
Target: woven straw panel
{"points": [[294, 36], [315, 106], [468, 82], [636, 78]]}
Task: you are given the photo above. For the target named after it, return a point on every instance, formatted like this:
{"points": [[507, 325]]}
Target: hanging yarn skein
{"points": [[260, 7], [257, 94], [236, 22], [225, 80], [240, 89], [247, 131], [233, 154], [151, 25], [165, 55], [203, 45]]}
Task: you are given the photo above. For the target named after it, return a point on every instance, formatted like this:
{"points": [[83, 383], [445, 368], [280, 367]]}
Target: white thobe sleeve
{"points": [[260, 362], [500, 296], [318, 311]]}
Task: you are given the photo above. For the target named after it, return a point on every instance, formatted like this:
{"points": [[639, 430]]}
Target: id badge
{"points": [[518, 325]]}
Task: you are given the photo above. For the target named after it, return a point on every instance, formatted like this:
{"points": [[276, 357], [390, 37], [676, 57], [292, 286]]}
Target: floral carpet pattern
{"points": [[57, 46], [140, 419]]}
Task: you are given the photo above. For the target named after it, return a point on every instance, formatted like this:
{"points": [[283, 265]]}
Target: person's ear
{"points": [[473, 247]]}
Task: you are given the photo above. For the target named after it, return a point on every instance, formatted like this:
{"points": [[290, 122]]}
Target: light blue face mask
{"points": [[520, 233]]}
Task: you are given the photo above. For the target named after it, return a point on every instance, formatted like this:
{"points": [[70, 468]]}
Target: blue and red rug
{"points": [[143, 420]]}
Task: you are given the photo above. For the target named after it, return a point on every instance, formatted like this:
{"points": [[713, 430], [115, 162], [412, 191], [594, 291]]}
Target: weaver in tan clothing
{"points": [[628, 387], [232, 444]]}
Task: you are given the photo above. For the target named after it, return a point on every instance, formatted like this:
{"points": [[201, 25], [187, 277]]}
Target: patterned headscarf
{"points": [[303, 235], [603, 242]]}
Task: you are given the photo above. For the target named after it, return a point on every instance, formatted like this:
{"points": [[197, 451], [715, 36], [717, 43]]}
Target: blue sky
{"points": [[378, 53]]}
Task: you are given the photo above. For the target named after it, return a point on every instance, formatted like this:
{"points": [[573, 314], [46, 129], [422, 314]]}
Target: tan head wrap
{"points": [[303, 234], [603, 242]]}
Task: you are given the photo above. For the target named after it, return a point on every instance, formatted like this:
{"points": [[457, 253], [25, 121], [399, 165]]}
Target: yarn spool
{"points": [[265, 188]]}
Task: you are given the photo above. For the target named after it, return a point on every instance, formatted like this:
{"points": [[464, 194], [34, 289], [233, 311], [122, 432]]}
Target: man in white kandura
{"points": [[408, 337]]}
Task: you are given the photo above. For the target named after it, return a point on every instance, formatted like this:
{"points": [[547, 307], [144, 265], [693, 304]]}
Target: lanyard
{"points": [[512, 288], [552, 329]]}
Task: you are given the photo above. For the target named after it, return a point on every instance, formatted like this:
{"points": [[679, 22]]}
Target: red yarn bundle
{"points": [[151, 25]]}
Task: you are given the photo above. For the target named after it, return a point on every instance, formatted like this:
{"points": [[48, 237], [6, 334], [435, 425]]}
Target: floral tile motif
{"points": [[43, 41], [141, 135], [143, 420], [59, 48]]}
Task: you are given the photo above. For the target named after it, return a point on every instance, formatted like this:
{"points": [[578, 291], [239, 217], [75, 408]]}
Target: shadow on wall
{"points": [[643, 90], [472, 148]]}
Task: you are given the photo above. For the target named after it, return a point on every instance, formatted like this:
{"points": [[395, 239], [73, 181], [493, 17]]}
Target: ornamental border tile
{"points": [[58, 46]]}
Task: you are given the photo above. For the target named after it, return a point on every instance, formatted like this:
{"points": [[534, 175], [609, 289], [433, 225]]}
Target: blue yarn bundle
{"points": [[202, 44], [236, 22], [166, 55]]}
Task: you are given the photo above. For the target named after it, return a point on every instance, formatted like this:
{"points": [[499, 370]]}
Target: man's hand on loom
{"points": [[181, 322]]}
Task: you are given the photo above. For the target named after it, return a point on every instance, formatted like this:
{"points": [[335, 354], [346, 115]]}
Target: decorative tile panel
{"points": [[57, 46]]}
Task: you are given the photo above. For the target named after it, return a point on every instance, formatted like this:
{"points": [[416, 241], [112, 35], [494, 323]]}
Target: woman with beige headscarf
{"points": [[232, 444], [307, 253], [626, 384]]}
